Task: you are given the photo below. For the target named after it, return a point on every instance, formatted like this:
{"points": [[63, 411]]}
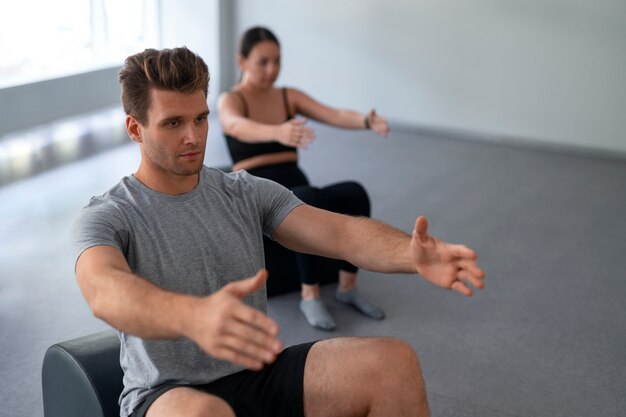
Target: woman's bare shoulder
{"points": [[230, 100]]}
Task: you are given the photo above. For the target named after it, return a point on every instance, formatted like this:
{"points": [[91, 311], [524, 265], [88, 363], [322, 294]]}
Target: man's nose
{"points": [[191, 134]]}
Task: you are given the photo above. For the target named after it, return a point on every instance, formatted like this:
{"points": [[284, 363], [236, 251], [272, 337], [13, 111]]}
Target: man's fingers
{"points": [[460, 287], [254, 318], [471, 279], [255, 337], [247, 286], [245, 336], [244, 348], [232, 351], [462, 251], [471, 267], [247, 343]]}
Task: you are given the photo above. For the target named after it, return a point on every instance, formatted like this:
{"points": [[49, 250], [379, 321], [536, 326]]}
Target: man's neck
{"points": [[168, 184]]}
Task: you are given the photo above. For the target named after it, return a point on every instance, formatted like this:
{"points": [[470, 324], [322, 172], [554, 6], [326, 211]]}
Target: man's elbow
{"points": [[90, 294], [98, 310]]}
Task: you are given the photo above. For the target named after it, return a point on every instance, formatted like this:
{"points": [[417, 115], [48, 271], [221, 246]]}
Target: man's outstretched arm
{"points": [[221, 324], [375, 246]]}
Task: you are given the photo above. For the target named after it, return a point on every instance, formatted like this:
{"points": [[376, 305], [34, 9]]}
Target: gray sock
{"points": [[316, 314], [355, 299]]}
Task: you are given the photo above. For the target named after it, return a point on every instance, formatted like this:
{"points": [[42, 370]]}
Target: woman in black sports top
{"points": [[263, 137]]}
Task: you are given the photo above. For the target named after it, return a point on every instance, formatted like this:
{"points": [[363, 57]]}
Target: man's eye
{"points": [[172, 123]]}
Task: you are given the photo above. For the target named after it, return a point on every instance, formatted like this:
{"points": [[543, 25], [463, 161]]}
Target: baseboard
{"points": [[509, 140]]}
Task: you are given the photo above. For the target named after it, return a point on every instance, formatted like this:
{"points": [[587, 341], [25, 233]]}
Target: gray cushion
{"points": [[82, 377]]}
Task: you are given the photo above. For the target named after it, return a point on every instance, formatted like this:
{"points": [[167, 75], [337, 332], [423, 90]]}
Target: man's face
{"points": [[173, 140]]}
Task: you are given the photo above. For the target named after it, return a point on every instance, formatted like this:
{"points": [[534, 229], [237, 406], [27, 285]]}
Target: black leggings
{"points": [[345, 197]]}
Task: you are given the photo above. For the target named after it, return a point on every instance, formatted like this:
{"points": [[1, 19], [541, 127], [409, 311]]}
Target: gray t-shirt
{"points": [[193, 243]]}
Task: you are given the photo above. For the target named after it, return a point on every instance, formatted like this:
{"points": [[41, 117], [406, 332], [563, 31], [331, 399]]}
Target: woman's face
{"points": [[262, 65]]}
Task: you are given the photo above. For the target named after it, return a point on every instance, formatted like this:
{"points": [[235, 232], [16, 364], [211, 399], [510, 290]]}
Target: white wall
{"points": [[549, 71], [193, 23]]}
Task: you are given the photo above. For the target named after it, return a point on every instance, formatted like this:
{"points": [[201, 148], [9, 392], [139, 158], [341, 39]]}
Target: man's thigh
{"points": [[189, 402]]}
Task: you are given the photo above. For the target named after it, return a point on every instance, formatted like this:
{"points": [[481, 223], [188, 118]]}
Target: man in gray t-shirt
{"points": [[172, 257], [164, 236]]}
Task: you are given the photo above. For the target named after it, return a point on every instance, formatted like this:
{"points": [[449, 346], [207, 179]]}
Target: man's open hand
{"points": [[444, 264], [228, 329]]}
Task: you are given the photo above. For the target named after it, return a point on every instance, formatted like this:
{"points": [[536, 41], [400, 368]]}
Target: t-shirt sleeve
{"points": [[99, 223], [274, 201]]}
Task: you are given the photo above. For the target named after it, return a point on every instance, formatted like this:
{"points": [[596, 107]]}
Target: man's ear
{"points": [[133, 127]]}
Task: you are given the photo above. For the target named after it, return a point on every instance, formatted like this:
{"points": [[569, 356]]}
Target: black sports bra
{"points": [[240, 150]]}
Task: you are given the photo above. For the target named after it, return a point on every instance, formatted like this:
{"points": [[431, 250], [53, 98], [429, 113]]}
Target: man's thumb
{"points": [[421, 229]]}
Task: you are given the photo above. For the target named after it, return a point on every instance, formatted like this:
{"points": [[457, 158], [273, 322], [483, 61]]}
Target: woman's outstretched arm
{"points": [[344, 118], [235, 123]]}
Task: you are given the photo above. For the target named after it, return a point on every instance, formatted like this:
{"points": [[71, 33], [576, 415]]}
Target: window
{"points": [[42, 39]]}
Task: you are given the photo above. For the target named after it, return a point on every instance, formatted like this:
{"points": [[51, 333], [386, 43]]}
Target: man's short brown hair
{"points": [[177, 69]]}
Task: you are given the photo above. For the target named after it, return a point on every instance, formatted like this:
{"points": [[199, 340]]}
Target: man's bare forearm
{"points": [[135, 306], [131, 303], [366, 243], [375, 246]]}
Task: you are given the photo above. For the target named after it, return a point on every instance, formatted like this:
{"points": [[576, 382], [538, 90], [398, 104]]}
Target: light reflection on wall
{"points": [[24, 154], [65, 141], [15, 156]]}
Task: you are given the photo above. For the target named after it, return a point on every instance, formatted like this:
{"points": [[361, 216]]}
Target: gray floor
{"points": [[547, 337]]}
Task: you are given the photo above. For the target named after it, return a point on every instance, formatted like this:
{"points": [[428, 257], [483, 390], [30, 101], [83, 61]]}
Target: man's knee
{"points": [[356, 374], [371, 355], [312, 196], [393, 356], [361, 198], [351, 198]]}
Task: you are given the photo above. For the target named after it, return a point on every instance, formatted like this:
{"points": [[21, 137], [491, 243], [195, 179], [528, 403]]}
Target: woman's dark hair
{"points": [[253, 36]]}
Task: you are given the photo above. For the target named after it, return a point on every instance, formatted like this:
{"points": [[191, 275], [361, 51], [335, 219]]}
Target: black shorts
{"points": [[276, 390]]}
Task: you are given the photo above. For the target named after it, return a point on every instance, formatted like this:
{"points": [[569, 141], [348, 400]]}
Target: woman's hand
{"points": [[293, 133], [378, 124]]}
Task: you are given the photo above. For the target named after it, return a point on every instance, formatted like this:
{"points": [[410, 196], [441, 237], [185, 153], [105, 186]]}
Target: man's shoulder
{"points": [[241, 184], [115, 198], [219, 177]]}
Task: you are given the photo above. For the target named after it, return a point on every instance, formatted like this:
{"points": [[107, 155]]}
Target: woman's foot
{"points": [[316, 314], [354, 299]]}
